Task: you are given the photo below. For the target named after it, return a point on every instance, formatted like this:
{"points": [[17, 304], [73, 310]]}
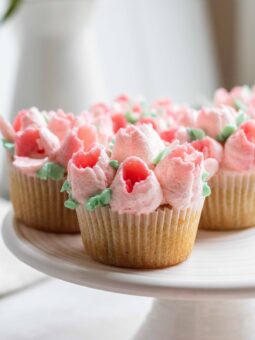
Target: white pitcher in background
{"points": [[57, 61]]}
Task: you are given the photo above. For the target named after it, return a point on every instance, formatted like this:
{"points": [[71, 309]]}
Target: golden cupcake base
{"points": [[160, 239], [39, 204]]}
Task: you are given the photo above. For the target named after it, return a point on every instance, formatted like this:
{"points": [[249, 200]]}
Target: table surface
{"points": [[44, 309]]}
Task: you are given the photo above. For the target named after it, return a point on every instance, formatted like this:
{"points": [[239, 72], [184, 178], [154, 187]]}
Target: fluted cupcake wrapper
{"points": [[156, 240], [39, 204], [232, 202]]}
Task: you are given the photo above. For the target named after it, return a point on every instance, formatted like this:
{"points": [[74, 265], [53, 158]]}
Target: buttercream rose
{"points": [[135, 188], [180, 176], [141, 141]]}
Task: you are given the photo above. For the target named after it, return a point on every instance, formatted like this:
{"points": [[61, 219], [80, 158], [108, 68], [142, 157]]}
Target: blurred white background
{"points": [[155, 48], [177, 48]]}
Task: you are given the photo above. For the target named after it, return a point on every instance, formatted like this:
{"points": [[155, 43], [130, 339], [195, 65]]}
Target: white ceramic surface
{"points": [[222, 265]]}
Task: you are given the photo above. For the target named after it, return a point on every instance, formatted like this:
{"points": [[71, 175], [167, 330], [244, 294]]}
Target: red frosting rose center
{"points": [[83, 160], [119, 121], [27, 144], [169, 135], [134, 171], [249, 130]]}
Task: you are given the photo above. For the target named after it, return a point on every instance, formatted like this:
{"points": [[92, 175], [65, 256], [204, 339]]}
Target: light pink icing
{"points": [[242, 93], [30, 118], [213, 154], [102, 124], [29, 166], [141, 141], [222, 97], [213, 120], [87, 134], [71, 144], [89, 172], [60, 123], [180, 176], [179, 133], [27, 144], [7, 130], [143, 197], [210, 148], [48, 142], [239, 150], [184, 115]]}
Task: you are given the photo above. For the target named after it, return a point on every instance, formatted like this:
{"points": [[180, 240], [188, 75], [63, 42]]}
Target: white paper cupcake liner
{"points": [[232, 202], [39, 204], [159, 239]]}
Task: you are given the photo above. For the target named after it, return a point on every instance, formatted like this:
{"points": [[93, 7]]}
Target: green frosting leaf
{"points": [[99, 200], [70, 203], [196, 134], [130, 118], [241, 118], [66, 187], [206, 190], [205, 176], [227, 131], [51, 170], [239, 105], [111, 144], [161, 156], [9, 146], [114, 164]]}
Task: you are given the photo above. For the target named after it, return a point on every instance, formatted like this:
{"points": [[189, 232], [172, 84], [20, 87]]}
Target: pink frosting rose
{"points": [[141, 141], [89, 172], [61, 123], [31, 118], [48, 142], [241, 93], [213, 120], [36, 143], [213, 154], [102, 123], [27, 144], [209, 147], [135, 188], [180, 176], [239, 150], [184, 115], [179, 133], [71, 144]]}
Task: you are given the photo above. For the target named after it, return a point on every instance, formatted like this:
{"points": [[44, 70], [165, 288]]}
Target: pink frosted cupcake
{"points": [[141, 207], [232, 202], [39, 146]]}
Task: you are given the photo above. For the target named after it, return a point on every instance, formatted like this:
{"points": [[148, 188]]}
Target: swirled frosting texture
{"points": [[180, 176], [89, 172], [214, 120], [141, 141], [135, 188], [239, 150]]}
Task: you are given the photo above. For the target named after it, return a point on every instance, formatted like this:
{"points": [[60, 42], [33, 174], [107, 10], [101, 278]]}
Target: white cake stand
{"points": [[207, 297]]}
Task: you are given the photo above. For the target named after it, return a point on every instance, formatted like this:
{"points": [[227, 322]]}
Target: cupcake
{"points": [[139, 208], [232, 202], [39, 146]]}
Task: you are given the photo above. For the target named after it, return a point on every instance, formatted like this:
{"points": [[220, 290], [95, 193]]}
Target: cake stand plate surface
{"points": [[198, 299]]}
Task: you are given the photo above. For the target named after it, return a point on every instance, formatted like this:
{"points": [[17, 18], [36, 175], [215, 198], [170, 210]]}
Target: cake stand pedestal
{"points": [[209, 297]]}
